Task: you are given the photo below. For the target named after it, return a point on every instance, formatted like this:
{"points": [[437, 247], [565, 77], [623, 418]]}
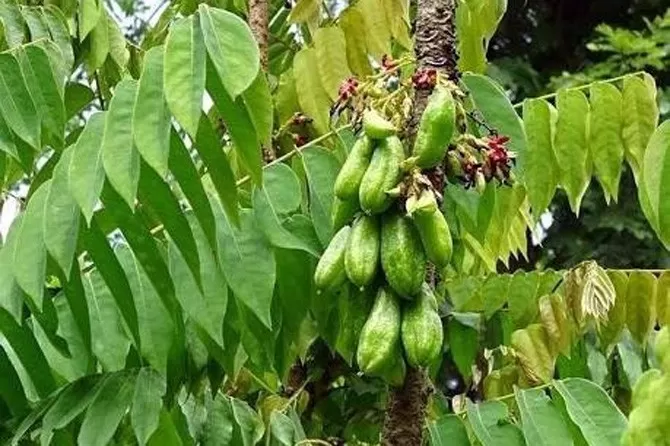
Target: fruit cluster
{"points": [[388, 245], [649, 421]]}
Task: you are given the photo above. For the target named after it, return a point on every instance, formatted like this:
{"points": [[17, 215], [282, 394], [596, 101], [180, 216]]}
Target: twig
{"points": [[98, 84]]}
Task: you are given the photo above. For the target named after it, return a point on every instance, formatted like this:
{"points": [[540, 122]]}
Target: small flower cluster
{"points": [[477, 161], [424, 79], [347, 90]]}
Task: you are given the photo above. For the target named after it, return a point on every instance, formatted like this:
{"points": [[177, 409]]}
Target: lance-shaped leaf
{"points": [[592, 410], [615, 321], [11, 390], [239, 125], [89, 14], [448, 430], [640, 118], [605, 140], [17, 106], [98, 43], [312, 97], [117, 43], [151, 117], [522, 298], [231, 47], [37, 27], [60, 34], [218, 426], [656, 174], [535, 353], [110, 344], [571, 145], [13, 23], [184, 72], [30, 256], [541, 172], [352, 23], [285, 98], [107, 409], [663, 299], [640, 305], [554, 316], [147, 403], [541, 422], [321, 167], [86, 173], [491, 424], [119, 156], [258, 100], [330, 46], [378, 32], [61, 215], [11, 294], [304, 10]]}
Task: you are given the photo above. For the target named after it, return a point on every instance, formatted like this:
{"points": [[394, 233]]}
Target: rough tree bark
{"points": [[434, 47], [258, 22]]}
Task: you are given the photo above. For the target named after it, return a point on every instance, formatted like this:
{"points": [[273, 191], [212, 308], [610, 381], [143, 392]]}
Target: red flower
{"points": [[388, 63], [348, 88], [424, 78]]}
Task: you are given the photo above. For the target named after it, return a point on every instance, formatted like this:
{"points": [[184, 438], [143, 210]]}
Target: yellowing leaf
{"points": [[286, 98], [663, 299], [352, 23], [639, 119], [533, 350], [311, 95], [611, 327], [330, 46], [640, 306], [589, 292], [378, 35], [304, 10], [554, 316], [656, 175], [571, 145], [397, 16]]}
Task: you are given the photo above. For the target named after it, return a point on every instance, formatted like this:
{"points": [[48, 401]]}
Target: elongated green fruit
{"points": [[380, 335], [436, 128], [375, 126], [402, 254], [330, 269], [351, 174], [421, 330], [394, 372], [344, 211], [382, 175], [435, 236], [362, 255]]}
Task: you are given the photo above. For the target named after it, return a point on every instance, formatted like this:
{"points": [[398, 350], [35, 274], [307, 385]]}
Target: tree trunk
{"points": [[434, 47], [258, 22]]}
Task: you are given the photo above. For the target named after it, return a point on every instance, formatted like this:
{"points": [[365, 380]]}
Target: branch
{"points": [[258, 22]]}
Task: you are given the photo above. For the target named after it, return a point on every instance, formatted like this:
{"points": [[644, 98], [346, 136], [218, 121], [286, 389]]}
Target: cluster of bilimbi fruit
{"points": [[649, 421], [397, 228]]}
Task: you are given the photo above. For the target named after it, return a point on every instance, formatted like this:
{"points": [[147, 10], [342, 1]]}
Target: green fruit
{"points": [[394, 372], [352, 312], [421, 330], [435, 235], [644, 385], [382, 175], [436, 128], [662, 348], [351, 174], [646, 428], [376, 126], [344, 211], [380, 335], [403, 258], [362, 255], [330, 269]]}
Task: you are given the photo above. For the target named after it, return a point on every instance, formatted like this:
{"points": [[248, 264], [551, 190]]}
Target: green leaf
{"points": [[98, 43], [280, 194], [71, 401], [151, 116], [231, 47], [77, 97], [239, 125], [28, 352], [157, 196], [37, 27], [353, 309], [522, 298], [571, 145], [312, 97], [167, 434], [107, 409], [303, 10], [30, 256], [464, 344], [182, 167], [61, 215], [554, 317], [490, 99], [281, 430], [13, 23], [184, 72], [606, 143], [541, 173], [147, 403], [542, 424], [7, 144], [472, 55], [247, 262], [258, 100], [662, 298], [377, 31], [535, 353], [491, 426], [11, 390], [218, 428], [119, 157], [117, 43], [656, 175], [209, 147], [207, 307], [89, 15], [610, 329], [156, 328], [17, 106], [60, 34], [11, 294], [639, 120], [86, 173], [640, 305], [591, 409], [286, 97], [330, 46], [352, 23], [110, 344], [632, 357], [321, 168], [448, 430], [249, 428]]}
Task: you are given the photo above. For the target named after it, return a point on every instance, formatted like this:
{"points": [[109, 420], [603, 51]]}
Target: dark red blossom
{"points": [[424, 78], [388, 63], [348, 89]]}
